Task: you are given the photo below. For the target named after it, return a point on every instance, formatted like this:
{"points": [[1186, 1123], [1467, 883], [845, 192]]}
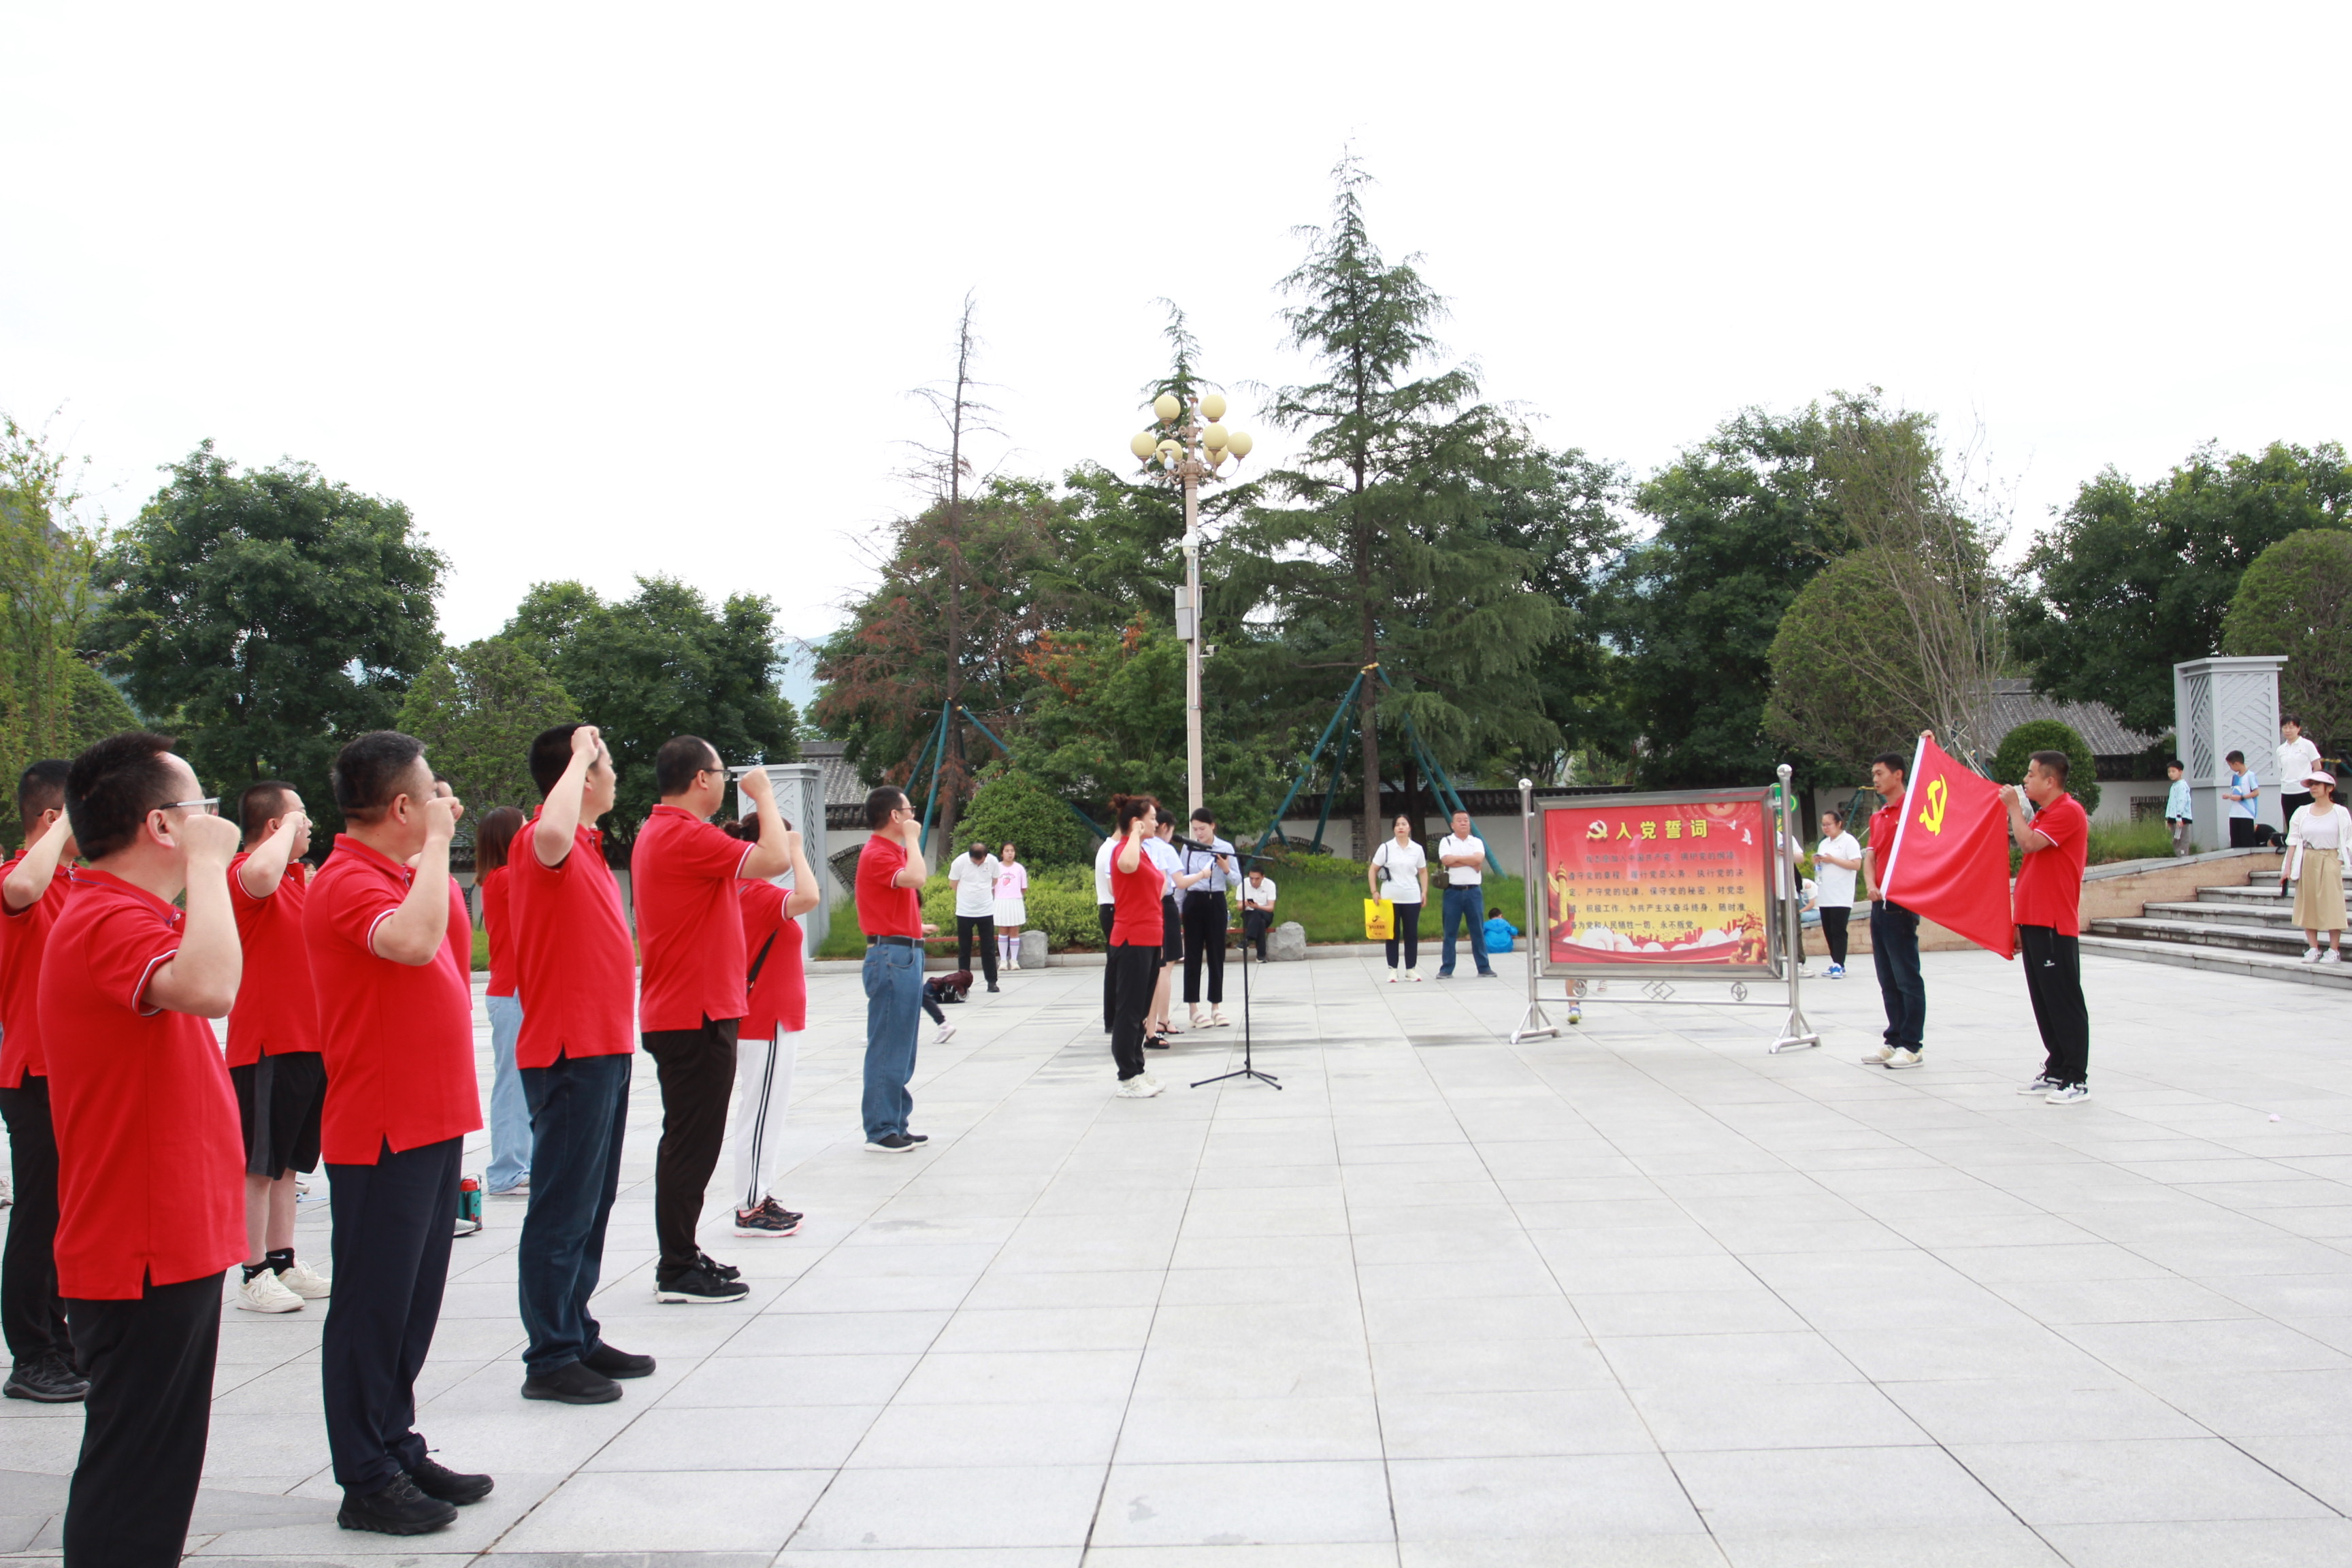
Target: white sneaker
{"points": [[1137, 1088], [1414, 977], [1902, 1058], [2042, 1084], [265, 1292], [947, 1032], [1392, 976], [1013, 963], [2311, 955], [1879, 1057], [1154, 1082], [2069, 1094], [307, 1282], [2333, 955]]}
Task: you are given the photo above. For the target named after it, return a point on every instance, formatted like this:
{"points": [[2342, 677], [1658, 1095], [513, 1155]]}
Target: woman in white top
{"points": [[1012, 905], [1400, 873], [1836, 861], [1162, 851], [2314, 863]]}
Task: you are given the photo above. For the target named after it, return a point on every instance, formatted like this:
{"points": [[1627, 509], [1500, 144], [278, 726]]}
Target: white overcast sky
{"points": [[602, 291]]}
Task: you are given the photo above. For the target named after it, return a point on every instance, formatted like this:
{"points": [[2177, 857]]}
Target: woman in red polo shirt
{"points": [[768, 1043], [1137, 940]]}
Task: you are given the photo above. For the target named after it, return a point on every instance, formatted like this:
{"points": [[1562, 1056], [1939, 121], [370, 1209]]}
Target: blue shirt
{"points": [[1193, 858], [2251, 787], [2176, 804], [1499, 932]]}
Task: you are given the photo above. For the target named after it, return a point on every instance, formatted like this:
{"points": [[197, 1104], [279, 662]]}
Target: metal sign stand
{"points": [[1796, 1032], [1534, 1024]]}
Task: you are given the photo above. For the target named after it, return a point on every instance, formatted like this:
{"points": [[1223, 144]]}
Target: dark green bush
{"points": [[2049, 735]]}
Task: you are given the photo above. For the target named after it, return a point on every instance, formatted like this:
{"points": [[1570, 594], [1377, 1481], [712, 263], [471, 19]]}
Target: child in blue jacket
{"points": [[1499, 931]]}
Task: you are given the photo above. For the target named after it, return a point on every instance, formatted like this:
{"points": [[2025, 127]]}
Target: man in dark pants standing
{"points": [[392, 956], [693, 994], [143, 1107], [1206, 915], [1894, 930], [31, 1313], [2048, 905]]}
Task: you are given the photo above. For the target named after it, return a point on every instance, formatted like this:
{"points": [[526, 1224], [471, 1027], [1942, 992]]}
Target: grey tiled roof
{"points": [[2103, 730], [842, 785]]}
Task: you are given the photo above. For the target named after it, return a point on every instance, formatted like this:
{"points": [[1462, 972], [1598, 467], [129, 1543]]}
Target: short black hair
{"points": [[2176, 763], [976, 850], [551, 753], [41, 788], [2294, 719], [258, 804], [1893, 762], [369, 770], [2232, 757], [111, 787], [880, 802], [680, 758], [2052, 762], [1202, 814]]}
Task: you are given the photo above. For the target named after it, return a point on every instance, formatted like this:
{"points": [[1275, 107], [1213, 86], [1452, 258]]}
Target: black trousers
{"points": [[1206, 919], [2291, 803], [2241, 833], [1408, 931], [698, 1077], [1110, 971], [1895, 953], [1134, 976], [150, 1365], [1833, 932], [31, 1313], [1255, 923], [394, 1221], [578, 1122], [2053, 982], [984, 928]]}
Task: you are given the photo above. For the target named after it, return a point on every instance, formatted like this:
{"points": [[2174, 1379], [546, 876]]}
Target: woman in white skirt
{"points": [[2314, 863], [768, 1040], [1012, 906]]}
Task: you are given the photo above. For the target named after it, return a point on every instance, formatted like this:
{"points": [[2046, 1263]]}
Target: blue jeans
{"points": [[893, 1013], [1469, 903], [579, 1111], [509, 1108], [1895, 953]]}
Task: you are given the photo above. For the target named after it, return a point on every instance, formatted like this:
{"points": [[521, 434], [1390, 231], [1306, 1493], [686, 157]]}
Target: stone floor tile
{"points": [[1694, 1417], [1907, 1488], [2008, 1544], [2241, 1544], [919, 1436], [1511, 1425], [977, 1506], [669, 1511], [2134, 1482], [1245, 1504], [1538, 1500]]}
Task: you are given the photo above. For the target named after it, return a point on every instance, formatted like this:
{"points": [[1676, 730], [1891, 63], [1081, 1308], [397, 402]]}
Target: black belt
{"points": [[894, 941]]}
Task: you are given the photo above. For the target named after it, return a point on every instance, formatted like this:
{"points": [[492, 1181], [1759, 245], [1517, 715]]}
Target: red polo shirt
{"points": [[151, 1164], [883, 909], [682, 876], [2049, 881], [22, 935], [398, 1037], [1884, 822], [779, 997], [577, 974], [277, 1009], [495, 921]]}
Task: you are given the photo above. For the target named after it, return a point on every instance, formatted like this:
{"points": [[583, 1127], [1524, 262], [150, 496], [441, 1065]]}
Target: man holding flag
{"points": [[2049, 924]]}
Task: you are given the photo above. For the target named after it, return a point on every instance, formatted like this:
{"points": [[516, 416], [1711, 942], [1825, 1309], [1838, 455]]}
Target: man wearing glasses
{"points": [[890, 876], [143, 1106], [693, 991]]}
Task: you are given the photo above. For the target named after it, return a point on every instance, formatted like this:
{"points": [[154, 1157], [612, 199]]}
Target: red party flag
{"points": [[1949, 862]]}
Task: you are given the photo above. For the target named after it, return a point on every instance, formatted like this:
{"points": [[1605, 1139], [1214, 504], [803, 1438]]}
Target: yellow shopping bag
{"points": [[1379, 920]]}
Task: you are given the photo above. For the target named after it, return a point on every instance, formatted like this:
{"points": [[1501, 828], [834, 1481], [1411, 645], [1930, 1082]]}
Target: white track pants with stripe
{"points": [[763, 1090]]}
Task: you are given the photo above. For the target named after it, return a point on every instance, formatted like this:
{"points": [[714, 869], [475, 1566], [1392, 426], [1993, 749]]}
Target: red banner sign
{"points": [[1681, 879]]}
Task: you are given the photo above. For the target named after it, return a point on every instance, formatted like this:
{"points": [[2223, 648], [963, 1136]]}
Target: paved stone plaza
{"points": [[1641, 1295]]}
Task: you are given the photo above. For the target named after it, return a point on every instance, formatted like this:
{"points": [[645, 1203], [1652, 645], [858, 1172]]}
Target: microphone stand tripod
{"points": [[1249, 1070]]}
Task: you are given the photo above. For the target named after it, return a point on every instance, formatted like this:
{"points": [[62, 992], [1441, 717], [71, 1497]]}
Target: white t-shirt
{"points": [[1400, 866], [1257, 895], [1463, 875], [1163, 855], [975, 885], [1102, 869], [1836, 883], [2297, 758]]}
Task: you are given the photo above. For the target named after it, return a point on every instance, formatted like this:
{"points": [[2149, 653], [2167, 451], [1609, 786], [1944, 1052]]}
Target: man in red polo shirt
{"points": [[890, 876], [144, 1107], [692, 993], [1894, 930], [273, 1045], [578, 984], [31, 1313], [391, 954], [2047, 906]]}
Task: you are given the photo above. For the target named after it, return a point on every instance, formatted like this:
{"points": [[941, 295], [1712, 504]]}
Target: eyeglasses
{"points": [[209, 806]]}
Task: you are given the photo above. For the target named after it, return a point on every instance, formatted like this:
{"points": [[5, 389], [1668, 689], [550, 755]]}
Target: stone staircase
{"points": [[2242, 931]]}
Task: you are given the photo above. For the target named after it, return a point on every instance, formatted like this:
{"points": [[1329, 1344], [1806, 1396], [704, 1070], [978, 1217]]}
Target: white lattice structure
{"points": [[800, 796], [2220, 706]]}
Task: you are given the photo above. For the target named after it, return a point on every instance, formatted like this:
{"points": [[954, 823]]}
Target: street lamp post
{"points": [[1191, 444]]}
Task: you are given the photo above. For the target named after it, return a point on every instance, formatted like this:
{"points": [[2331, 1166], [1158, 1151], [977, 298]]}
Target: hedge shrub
{"points": [[2035, 735]]}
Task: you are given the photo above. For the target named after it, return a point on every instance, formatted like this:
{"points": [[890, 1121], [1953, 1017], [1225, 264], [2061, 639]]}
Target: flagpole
{"points": [[1795, 1032]]}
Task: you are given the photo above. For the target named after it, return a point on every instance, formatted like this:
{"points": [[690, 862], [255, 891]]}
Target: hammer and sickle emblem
{"points": [[1932, 819]]}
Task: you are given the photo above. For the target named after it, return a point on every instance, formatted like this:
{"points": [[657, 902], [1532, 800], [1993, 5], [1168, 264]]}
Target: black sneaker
{"points": [[992, 987], [918, 1137], [436, 1479], [50, 1380], [712, 1264], [399, 1509], [697, 1287], [576, 1383], [613, 1362], [890, 1143], [770, 1219]]}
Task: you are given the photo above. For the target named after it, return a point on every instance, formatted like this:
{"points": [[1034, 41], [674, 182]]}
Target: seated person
{"points": [[1501, 934]]}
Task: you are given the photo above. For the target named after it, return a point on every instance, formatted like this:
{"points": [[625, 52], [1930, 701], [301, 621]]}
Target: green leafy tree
{"points": [[2017, 748], [476, 711], [51, 699], [1846, 681], [658, 664], [2133, 579], [1383, 552], [1012, 806], [268, 617], [2296, 599]]}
